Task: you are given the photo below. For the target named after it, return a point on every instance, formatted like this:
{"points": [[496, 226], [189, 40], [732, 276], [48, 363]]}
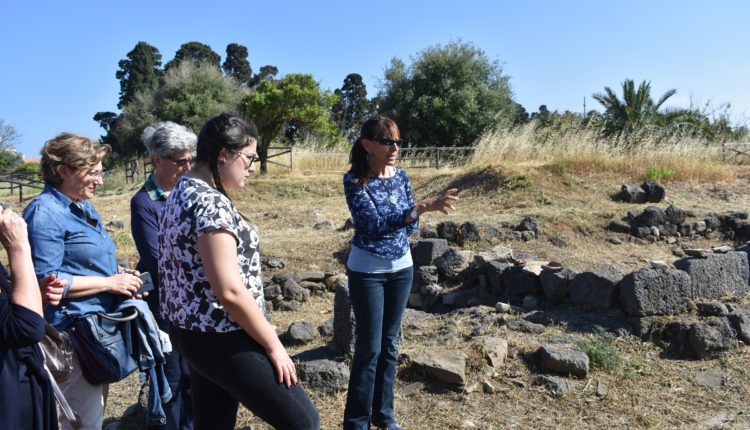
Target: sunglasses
{"points": [[389, 142], [181, 161]]}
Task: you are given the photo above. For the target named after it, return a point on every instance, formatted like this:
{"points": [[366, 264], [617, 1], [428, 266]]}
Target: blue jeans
{"points": [[179, 410], [378, 301]]}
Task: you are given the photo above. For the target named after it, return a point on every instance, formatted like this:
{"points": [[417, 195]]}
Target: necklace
{"points": [[392, 197], [387, 185]]}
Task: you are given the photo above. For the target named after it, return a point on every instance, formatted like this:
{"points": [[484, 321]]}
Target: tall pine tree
{"points": [[353, 106], [236, 64], [140, 71], [199, 52]]}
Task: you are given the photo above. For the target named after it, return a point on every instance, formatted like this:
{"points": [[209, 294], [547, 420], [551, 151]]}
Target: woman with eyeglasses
{"points": [[171, 148], [212, 292], [68, 240], [379, 267]]}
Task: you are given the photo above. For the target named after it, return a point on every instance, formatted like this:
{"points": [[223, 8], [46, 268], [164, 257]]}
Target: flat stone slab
{"points": [[564, 360], [447, 366]]}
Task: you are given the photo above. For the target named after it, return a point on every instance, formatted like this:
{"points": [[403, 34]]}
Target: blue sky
{"points": [[58, 59]]}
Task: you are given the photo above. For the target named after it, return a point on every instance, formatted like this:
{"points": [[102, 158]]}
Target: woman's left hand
{"points": [[284, 366], [442, 203]]}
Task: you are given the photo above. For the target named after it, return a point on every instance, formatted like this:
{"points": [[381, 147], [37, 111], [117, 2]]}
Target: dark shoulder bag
{"points": [[58, 353], [102, 343]]}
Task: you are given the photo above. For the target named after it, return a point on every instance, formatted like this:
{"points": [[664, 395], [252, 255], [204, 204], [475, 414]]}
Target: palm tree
{"points": [[635, 110]]}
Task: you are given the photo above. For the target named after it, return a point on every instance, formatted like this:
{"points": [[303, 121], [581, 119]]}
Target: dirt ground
{"points": [[298, 217]]}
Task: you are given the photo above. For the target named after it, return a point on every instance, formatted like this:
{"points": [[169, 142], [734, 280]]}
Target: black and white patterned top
{"points": [[186, 299]]}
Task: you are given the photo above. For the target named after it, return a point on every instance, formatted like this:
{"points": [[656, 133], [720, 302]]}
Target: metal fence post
{"points": [[437, 157]]}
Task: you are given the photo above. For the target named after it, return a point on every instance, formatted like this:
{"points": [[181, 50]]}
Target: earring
{"points": [[222, 160]]}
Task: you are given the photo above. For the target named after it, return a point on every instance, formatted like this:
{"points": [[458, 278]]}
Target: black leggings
{"points": [[229, 368]]}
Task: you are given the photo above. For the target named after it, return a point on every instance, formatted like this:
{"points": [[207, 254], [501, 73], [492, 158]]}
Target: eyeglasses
{"points": [[95, 174], [389, 142], [181, 161], [249, 158]]}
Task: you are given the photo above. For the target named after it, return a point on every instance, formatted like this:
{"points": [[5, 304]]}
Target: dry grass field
{"points": [[571, 195]]}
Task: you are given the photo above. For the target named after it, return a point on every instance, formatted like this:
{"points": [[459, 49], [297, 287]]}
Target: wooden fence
{"points": [[736, 151], [435, 157], [17, 181]]}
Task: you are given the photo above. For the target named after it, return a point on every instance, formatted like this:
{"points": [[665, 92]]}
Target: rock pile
{"points": [[654, 224], [648, 192]]}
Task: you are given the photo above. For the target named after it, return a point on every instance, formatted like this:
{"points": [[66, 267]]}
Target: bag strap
{"points": [[130, 317], [70, 414]]}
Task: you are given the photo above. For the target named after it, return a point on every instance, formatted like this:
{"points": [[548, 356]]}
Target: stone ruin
{"points": [[654, 224], [694, 306]]}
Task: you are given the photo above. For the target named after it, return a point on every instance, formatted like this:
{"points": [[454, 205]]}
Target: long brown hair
{"points": [[224, 131], [377, 127]]}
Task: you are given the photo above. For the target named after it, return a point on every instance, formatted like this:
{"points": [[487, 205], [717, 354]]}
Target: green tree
{"points": [[236, 64], [191, 93], [266, 72], [140, 71], [125, 131], [352, 105], [636, 109], [10, 160], [28, 169], [194, 92], [448, 96], [294, 99], [197, 52]]}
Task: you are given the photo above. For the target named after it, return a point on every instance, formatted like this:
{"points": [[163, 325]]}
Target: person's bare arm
{"points": [[125, 284], [14, 238], [218, 250]]}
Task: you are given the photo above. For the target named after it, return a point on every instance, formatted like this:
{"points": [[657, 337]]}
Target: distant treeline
{"points": [[448, 96]]}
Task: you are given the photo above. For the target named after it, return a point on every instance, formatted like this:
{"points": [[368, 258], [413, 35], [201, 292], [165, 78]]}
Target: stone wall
{"points": [[692, 289]]}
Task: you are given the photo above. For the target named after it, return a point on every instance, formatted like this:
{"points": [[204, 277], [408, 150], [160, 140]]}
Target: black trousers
{"points": [[231, 368]]}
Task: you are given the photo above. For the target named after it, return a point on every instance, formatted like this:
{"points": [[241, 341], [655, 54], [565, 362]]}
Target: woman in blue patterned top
{"points": [[379, 267]]}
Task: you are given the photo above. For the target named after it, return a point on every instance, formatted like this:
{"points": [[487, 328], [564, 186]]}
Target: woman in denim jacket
{"points": [[68, 240], [379, 267]]}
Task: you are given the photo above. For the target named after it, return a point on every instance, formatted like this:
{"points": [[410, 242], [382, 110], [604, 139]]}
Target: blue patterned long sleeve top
{"points": [[378, 209]]}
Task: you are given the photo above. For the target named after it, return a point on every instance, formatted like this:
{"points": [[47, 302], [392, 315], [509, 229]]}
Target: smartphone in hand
{"points": [[148, 283]]}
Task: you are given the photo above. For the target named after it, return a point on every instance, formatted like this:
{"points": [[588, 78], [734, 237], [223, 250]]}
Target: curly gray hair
{"points": [[168, 138]]}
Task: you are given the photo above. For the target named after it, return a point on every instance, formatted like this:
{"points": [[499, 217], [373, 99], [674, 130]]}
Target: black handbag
{"points": [[58, 353], [102, 343]]}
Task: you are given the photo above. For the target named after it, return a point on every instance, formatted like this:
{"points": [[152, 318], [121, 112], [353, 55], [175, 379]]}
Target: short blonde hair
{"points": [[72, 150]]}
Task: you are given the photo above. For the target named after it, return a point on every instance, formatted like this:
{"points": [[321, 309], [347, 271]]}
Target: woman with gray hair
{"points": [[171, 147]]}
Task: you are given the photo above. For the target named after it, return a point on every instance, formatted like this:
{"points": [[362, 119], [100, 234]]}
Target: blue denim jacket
{"points": [[63, 242], [148, 353]]}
